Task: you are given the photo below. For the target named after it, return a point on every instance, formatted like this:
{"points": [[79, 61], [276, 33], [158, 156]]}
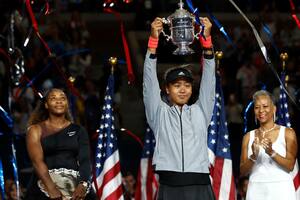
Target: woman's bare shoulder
{"points": [[34, 130], [290, 133]]}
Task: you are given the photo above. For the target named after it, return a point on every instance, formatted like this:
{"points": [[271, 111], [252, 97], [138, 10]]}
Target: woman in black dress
{"points": [[59, 151]]}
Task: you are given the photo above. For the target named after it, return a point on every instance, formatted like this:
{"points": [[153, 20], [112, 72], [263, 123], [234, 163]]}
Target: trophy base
{"points": [[183, 49]]}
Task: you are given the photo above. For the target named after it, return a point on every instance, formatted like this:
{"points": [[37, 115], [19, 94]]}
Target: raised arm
{"points": [[151, 89], [206, 97], [35, 151]]}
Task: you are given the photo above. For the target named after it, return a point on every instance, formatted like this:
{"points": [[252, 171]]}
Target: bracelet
{"points": [[152, 42], [86, 185], [273, 154], [206, 43], [253, 160]]}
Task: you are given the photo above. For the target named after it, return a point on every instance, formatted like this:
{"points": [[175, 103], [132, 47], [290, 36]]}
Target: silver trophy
{"points": [[182, 30]]}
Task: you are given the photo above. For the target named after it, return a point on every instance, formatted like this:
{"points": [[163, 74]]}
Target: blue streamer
{"points": [[263, 87], [1, 180], [269, 34], [15, 169], [195, 11], [245, 116], [122, 62], [68, 53], [220, 26], [6, 117]]}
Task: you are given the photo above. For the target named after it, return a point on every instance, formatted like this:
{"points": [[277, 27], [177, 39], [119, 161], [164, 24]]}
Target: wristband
{"points": [[206, 43], [152, 42], [208, 53]]}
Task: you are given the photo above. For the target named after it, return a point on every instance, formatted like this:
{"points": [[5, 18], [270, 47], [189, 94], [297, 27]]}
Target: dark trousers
{"points": [[189, 192]]}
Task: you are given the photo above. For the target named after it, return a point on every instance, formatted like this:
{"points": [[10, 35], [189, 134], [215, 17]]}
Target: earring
{"points": [[274, 117]]}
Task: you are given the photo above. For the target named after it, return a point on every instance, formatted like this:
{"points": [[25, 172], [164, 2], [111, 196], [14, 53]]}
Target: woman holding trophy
{"points": [[180, 157], [59, 151]]}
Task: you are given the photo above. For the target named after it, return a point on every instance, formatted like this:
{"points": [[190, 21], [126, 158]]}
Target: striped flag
{"points": [[107, 163], [147, 184], [284, 120], [219, 150]]}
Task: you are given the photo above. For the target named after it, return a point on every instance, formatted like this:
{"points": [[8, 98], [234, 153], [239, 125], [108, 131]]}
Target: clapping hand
{"points": [[267, 145], [255, 148]]}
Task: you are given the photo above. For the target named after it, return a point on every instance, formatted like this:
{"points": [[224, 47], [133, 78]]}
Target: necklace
{"points": [[266, 131], [58, 125]]}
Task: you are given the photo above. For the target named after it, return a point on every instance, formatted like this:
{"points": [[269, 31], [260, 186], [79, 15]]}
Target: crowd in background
{"points": [[243, 70]]}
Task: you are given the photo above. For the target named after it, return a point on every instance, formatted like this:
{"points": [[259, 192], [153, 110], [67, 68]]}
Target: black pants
{"points": [[190, 192]]}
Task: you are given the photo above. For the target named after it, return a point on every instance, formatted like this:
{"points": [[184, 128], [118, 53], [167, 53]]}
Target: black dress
{"points": [[67, 149]]}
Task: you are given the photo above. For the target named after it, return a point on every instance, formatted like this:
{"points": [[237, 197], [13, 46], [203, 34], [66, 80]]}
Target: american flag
{"points": [[107, 163], [147, 184], [284, 119], [219, 150], [283, 109]]}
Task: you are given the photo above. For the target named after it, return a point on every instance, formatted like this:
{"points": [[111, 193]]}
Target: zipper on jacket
{"points": [[181, 135]]}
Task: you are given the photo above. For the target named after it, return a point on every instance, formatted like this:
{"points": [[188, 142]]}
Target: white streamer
{"points": [[264, 51]]}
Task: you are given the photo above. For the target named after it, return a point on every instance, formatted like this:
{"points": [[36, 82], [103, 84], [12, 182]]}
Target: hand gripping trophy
{"points": [[182, 30]]}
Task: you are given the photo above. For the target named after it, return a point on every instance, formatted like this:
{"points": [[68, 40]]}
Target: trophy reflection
{"points": [[182, 30]]}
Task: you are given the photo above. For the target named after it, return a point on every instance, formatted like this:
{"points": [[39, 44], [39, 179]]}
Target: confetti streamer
{"points": [[1, 180], [196, 12], [15, 168], [293, 10], [270, 36], [245, 116], [220, 26], [264, 51], [130, 74], [69, 84], [6, 117], [35, 25]]}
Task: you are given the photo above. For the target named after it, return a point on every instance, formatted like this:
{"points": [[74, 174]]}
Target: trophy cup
{"points": [[182, 30]]}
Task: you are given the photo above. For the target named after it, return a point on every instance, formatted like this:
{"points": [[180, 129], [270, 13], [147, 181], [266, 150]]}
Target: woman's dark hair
{"points": [[40, 113]]}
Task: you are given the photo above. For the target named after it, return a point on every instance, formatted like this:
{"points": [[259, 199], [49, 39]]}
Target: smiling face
{"points": [[264, 109], [57, 102], [179, 91]]}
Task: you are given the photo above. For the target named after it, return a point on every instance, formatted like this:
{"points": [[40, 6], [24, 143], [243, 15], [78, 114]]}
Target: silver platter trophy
{"points": [[182, 30], [66, 180]]}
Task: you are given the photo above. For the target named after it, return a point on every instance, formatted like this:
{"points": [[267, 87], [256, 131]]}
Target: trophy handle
{"points": [[167, 22], [198, 34]]}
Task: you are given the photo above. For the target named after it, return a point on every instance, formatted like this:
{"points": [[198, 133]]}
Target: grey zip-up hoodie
{"points": [[181, 136]]}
